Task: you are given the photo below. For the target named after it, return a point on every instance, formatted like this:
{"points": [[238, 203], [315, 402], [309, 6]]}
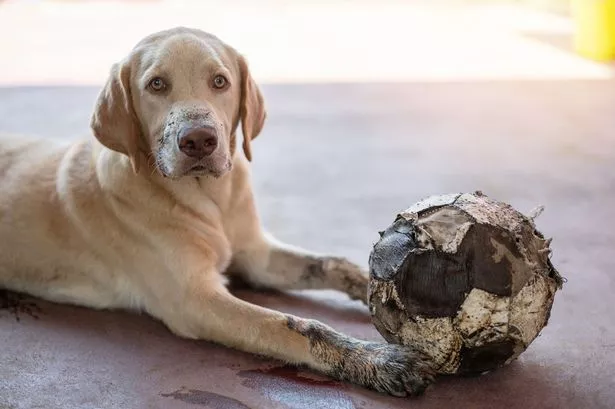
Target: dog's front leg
{"points": [[210, 312], [267, 262]]}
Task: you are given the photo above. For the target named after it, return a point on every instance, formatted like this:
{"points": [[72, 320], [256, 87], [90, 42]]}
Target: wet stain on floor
{"points": [[18, 304], [206, 399], [295, 389]]}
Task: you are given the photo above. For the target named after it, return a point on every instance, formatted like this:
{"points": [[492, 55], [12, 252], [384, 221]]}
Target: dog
{"points": [[155, 210]]}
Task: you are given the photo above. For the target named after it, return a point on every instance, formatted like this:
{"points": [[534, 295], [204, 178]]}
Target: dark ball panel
{"points": [[389, 253], [477, 251], [478, 360], [432, 284]]}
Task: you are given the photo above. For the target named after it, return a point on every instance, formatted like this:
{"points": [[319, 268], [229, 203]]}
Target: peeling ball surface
{"points": [[465, 279]]}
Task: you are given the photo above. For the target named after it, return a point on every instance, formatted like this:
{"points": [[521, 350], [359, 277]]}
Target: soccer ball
{"points": [[464, 279]]}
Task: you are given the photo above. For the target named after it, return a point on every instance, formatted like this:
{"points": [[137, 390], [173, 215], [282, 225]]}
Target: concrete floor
{"points": [[333, 166], [507, 109]]}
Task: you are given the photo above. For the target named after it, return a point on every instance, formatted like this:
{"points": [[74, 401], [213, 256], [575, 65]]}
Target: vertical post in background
{"points": [[594, 34]]}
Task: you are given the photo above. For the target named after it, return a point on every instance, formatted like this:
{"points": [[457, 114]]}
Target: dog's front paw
{"points": [[351, 278], [389, 368], [393, 369]]}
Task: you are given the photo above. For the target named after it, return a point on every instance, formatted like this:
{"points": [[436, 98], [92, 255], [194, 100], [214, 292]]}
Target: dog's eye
{"points": [[220, 82], [157, 84]]}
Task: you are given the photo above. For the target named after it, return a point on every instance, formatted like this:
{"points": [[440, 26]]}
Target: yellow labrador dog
{"points": [[156, 209]]}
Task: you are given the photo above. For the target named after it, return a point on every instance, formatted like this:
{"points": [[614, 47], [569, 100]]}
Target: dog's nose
{"points": [[197, 142]]}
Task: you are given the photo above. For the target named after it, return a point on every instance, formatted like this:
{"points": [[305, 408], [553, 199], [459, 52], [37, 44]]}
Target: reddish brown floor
{"points": [[334, 165]]}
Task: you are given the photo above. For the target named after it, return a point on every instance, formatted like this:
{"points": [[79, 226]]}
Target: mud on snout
{"points": [[192, 142]]}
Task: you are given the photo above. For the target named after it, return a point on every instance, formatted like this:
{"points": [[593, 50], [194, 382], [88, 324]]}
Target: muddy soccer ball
{"points": [[463, 278]]}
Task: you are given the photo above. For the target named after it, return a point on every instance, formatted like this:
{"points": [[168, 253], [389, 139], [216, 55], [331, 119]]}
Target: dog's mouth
{"points": [[198, 168], [205, 167], [204, 170]]}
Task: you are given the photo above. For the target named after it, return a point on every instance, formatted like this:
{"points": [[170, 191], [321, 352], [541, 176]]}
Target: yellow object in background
{"points": [[594, 35]]}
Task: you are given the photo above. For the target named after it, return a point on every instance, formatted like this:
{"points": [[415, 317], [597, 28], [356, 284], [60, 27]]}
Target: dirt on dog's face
{"points": [[177, 99], [187, 100]]}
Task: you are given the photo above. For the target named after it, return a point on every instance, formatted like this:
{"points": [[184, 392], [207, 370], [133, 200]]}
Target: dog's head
{"points": [[178, 98]]}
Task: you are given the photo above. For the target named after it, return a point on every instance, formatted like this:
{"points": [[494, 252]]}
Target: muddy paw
{"points": [[393, 369], [388, 368], [351, 278]]}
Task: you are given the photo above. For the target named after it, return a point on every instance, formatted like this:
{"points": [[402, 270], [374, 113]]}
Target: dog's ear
{"points": [[114, 121], [251, 109]]}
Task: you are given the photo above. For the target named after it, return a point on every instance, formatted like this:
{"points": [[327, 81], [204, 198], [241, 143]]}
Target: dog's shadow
{"points": [[331, 307]]}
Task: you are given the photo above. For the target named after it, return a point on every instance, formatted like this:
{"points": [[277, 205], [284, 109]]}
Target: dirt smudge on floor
{"points": [[18, 304], [205, 398]]}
